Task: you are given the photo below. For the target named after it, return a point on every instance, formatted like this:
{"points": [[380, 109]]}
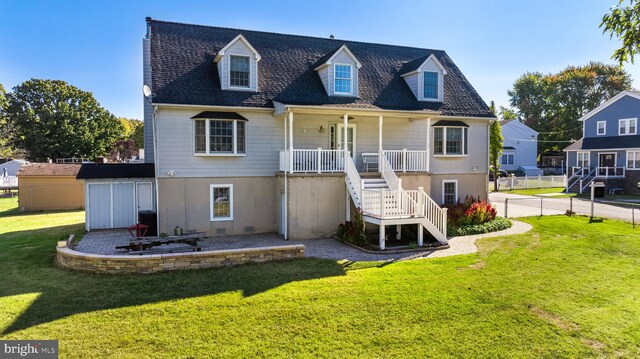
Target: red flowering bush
{"points": [[470, 212]]}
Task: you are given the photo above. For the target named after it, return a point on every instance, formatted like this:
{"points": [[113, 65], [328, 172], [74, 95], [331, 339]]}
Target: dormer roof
{"points": [[414, 66], [327, 59], [221, 53]]}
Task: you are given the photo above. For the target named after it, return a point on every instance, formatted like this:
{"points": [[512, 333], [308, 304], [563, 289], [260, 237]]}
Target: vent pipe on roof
{"points": [[332, 37]]}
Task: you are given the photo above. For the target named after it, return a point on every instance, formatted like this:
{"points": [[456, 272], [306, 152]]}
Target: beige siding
{"points": [[468, 184], [185, 202], [50, 193]]}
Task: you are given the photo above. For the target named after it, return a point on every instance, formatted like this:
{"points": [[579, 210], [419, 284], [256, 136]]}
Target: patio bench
{"points": [[166, 250], [613, 191], [369, 158]]}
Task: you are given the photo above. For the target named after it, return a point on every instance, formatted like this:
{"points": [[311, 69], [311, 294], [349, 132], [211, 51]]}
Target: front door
{"points": [[606, 160], [337, 138]]}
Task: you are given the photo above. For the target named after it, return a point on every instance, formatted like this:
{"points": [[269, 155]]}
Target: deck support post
{"points": [[420, 235], [398, 232], [380, 154], [345, 121], [348, 205], [290, 142], [382, 235]]}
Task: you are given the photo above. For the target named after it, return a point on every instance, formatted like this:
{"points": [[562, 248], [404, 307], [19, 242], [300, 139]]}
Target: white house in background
{"points": [[520, 148], [11, 168]]}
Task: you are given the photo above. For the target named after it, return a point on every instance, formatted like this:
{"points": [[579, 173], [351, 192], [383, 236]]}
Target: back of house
{"points": [[609, 151], [253, 132]]}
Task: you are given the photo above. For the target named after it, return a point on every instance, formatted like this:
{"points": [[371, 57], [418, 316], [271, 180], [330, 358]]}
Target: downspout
{"points": [[155, 166], [286, 183]]}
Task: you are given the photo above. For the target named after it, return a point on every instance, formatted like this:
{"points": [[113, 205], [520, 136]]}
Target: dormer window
{"points": [[343, 79], [431, 85], [239, 71], [237, 65]]}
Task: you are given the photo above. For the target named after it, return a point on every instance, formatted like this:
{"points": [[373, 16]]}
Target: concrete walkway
{"points": [[104, 242]]}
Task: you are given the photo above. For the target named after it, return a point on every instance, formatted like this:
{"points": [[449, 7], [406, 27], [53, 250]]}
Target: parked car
{"points": [[501, 173]]}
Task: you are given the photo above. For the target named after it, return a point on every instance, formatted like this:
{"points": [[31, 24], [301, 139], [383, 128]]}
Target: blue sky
{"points": [[97, 46]]}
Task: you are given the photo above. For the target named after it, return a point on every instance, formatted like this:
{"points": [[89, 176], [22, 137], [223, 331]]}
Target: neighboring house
{"points": [[49, 186], [11, 167], [609, 150], [552, 162], [520, 148], [263, 132]]}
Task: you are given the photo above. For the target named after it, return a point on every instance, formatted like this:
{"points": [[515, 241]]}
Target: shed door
{"points": [[144, 194], [99, 206], [123, 205]]}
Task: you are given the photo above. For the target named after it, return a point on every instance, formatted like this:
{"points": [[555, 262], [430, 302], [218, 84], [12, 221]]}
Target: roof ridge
{"points": [[301, 36]]}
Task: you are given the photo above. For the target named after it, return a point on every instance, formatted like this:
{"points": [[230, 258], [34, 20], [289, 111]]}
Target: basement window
{"points": [[221, 202]]}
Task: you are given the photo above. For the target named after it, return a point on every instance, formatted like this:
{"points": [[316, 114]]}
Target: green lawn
{"points": [[567, 289], [536, 191]]}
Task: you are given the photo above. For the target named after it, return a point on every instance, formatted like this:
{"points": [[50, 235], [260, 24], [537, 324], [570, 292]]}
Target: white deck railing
{"points": [[389, 174], [354, 182], [407, 160], [9, 181], [433, 212], [388, 204], [312, 161], [606, 172]]}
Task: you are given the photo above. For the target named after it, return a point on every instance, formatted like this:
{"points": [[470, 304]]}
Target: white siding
{"points": [[416, 81], [324, 77], [238, 48], [148, 109], [477, 155], [412, 82], [265, 137], [519, 136]]}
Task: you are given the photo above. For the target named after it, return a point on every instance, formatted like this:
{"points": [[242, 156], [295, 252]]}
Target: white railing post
{"points": [[444, 222], [580, 185], [421, 211], [399, 184], [382, 206], [319, 160], [404, 160], [512, 179]]}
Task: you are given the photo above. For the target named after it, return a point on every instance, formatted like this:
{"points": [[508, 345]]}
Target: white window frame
{"points": [[588, 154], [335, 69], [207, 129], [229, 74], [627, 122], [465, 150], [634, 168], [211, 201], [512, 154], [438, 87], [455, 181], [604, 128]]}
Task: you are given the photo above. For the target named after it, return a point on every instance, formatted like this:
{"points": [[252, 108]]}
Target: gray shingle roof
{"points": [[183, 72], [605, 143]]}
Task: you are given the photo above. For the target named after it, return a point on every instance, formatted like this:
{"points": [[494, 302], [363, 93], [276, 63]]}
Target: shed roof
{"points": [[116, 170], [49, 169]]}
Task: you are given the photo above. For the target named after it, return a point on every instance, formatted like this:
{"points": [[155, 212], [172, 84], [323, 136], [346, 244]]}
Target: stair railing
{"points": [[353, 180], [589, 178]]}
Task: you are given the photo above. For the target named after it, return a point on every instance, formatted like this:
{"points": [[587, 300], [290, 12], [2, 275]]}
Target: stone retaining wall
{"points": [[68, 258]]}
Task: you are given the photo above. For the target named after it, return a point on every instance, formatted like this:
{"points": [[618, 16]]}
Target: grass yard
{"points": [[567, 289], [537, 191]]}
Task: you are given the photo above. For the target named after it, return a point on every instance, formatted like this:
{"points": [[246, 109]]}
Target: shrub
{"points": [[497, 224], [353, 231], [470, 212]]}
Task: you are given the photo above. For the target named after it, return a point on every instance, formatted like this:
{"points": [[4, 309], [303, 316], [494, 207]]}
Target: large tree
{"points": [[623, 22], [52, 119], [552, 104]]}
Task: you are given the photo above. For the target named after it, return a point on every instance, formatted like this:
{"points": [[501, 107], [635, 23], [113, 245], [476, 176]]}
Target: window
{"points": [[633, 160], [342, 79], [449, 192], [239, 71], [602, 127], [508, 159], [221, 202], [627, 126], [223, 137], [430, 85], [583, 159], [450, 141]]}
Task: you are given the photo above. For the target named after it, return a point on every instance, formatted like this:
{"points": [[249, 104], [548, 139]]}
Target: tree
{"points": [[552, 104], [623, 23], [507, 113], [52, 119], [133, 130], [495, 146], [123, 149]]}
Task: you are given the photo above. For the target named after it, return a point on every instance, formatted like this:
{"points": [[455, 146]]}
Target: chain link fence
{"points": [[513, 207]]}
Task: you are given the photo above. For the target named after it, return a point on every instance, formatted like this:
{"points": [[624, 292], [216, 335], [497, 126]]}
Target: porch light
{"points": [[172, 172], [349, 118], [321, 129]]}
